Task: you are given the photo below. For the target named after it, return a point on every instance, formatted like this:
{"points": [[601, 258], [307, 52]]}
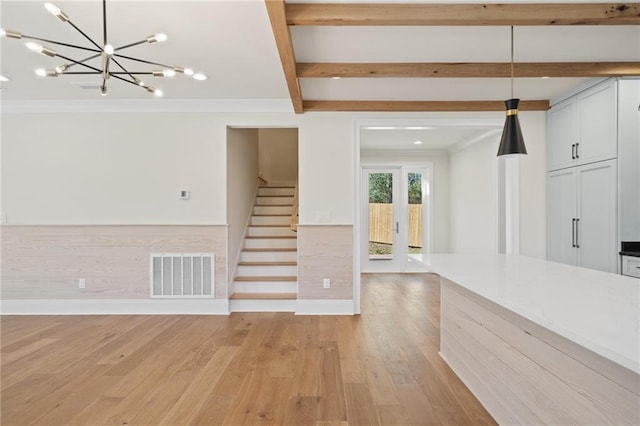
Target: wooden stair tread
{"points": [[264, 296], [269, 249], [274, 263], [278, 237], [272, 196], [269, 215], [274, 279], [275, 205], [268, 226], [278, 187]]}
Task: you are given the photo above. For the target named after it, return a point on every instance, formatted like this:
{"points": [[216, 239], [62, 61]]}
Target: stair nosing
{"points": [[276, 249], [267, 237], [263, 296], [249, 278]]}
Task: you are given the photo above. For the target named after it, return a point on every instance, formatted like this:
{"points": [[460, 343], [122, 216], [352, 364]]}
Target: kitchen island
{"points": [[540, 342]]}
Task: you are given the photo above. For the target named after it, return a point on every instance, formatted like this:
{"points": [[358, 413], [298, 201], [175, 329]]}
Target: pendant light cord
{"points": [[512, 62]]}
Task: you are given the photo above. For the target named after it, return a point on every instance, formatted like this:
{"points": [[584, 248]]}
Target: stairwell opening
{"points": [[262, 176]]}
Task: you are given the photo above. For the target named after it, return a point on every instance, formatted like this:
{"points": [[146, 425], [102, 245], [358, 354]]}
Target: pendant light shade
{"points": [[512, 141]]}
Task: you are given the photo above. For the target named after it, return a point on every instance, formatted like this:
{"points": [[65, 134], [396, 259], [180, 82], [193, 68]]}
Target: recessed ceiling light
{"points": [[336, 78], [544, 77], [3, 78], [417, 143], [418, 128]]}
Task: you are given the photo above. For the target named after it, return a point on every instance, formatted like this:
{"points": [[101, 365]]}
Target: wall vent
{"points": [[182, 275]]}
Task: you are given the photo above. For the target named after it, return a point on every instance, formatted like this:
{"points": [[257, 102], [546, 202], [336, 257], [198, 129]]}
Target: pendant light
{"points": [[512, 142]]}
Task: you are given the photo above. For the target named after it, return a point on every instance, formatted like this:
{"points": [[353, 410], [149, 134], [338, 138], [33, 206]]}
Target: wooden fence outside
{"points": [[381, 224]]}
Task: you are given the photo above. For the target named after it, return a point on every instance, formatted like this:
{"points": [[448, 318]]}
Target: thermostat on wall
{"points": [[185, 194]]}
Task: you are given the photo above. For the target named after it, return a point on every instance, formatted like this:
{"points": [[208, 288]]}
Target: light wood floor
{"points": [[380, 368]]}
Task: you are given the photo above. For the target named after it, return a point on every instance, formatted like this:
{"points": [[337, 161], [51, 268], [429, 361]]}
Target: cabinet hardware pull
{"points": [[573, 151], [573, 232], [577, 150], [577, 233]]}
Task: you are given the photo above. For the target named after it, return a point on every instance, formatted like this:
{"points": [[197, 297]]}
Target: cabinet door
{"points": [[597, 123], [562, 134], [561, 213], [596, 235]]}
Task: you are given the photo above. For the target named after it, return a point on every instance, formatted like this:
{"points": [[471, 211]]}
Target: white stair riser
{"points": [[265, 287], [262, 305], [268, 256], [272, 210], [271, 243], [272, 232], [267, 271], [276, 191], [271, 220], [266, 201]]}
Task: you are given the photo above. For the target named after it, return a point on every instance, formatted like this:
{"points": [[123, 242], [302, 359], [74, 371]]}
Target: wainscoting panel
{"points": [[325, 252], [47, 262]]}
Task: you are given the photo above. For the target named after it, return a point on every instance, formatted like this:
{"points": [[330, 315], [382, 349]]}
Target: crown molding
{"points": [[146, 105]]}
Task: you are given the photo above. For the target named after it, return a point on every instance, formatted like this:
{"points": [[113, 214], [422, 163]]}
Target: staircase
{"points": [[267, 273]]}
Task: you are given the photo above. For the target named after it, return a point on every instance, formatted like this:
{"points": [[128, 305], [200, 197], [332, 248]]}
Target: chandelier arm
{"points": [[113, 73], [142, 60], [84, 60], [85, 36], [75, 46], [122, 68], [126, 46], [128, 81], [79, 63]]}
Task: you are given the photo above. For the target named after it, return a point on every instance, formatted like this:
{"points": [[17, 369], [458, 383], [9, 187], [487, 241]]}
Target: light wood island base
{"points": [[524, 373]]}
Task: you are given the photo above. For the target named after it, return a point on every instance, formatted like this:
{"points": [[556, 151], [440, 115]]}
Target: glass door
{"points": [[381, 220]]}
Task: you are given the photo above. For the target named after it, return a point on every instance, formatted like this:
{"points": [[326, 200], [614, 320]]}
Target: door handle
{"points": [[573, 232], [397, 227], [577, 233], [577, 150], [573, 151]]}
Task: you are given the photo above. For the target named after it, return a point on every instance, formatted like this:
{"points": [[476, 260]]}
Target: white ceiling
{"points": [[435, 138], [232, 42]]}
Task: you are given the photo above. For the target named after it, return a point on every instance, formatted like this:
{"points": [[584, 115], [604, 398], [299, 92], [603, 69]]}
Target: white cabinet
{"points": [[583, 128], [582, 216]]}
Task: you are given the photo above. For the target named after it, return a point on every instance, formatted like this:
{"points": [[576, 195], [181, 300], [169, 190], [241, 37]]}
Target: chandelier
{"points": [[111, 60]]}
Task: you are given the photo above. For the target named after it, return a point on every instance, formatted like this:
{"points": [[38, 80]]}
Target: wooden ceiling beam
{"points": [[339, 14], [467, 69], [420, 106], [277, 17]]}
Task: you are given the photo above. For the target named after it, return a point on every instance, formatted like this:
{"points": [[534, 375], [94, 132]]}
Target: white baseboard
{"points": [[115, 307], [325, 307]]}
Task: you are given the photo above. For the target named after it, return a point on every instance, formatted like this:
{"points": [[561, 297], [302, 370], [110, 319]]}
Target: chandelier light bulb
{"points": [[3, 79], [158, 93], [3, 33], [169, 73], [155, 38], [199, 76], [188, 71], [108, 49], [35, 47], [62, 68], [41, 72], [103, 91], [52, 9]]}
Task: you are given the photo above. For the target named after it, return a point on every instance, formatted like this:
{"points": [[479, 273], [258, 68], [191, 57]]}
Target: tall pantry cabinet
{"points": [[583, 147]]}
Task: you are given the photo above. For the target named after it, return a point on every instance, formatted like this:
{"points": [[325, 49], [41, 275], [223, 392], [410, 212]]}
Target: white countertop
{"points": [[597, 310]]}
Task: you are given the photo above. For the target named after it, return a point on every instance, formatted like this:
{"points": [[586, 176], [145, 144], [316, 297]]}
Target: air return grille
{"points": [[182, 275]]}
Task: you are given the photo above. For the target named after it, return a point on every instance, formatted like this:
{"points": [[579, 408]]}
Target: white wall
{"points": [[474, 205], [278, 154], [242, 180], [533, 186], [84, 169], [440, 186]]}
